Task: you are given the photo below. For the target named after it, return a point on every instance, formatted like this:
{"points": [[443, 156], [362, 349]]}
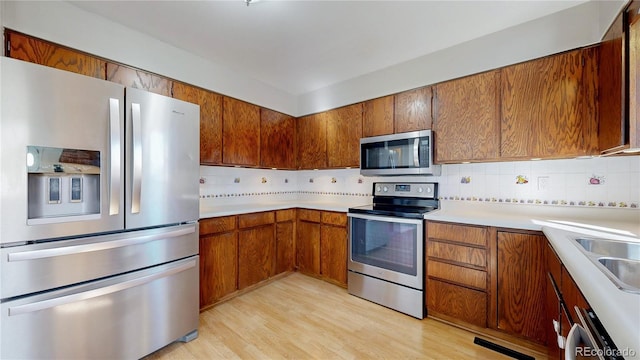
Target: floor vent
{"points": [[501, 349]]}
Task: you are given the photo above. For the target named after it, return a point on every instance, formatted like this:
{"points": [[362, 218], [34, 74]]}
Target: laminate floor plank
{"points": [[300, 317]]}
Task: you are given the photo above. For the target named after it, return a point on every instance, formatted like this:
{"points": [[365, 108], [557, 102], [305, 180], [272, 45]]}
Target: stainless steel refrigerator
{"points": [[98, 216]]}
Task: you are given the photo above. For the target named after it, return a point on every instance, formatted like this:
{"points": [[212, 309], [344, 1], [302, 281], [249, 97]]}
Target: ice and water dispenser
{"points": [[62, 182]]}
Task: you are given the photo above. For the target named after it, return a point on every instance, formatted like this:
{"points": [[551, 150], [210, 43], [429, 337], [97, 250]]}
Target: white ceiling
{"points": [[301, 46]]}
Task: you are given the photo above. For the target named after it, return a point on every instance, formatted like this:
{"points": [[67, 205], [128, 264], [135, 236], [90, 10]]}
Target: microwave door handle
{"points": [[116, 155], [416, 153], [137, 158]]}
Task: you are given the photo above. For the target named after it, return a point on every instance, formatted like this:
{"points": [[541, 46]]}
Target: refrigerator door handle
{"points": [[45, 304], [106, 245], [137, 158], [116, 155]]}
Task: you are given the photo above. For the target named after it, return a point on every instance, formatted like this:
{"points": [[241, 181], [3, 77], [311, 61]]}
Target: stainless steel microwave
{"points": [[408, 153]]}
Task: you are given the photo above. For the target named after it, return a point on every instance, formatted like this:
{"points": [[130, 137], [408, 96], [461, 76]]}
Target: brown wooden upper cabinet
{"points": [[277, 140], [138, 79], [377, 116], [311, 134], [344, 130], [634, 74], [611, 88], [467, 118], [210, 120], [27, 48], [241, 129], [412, 110], [549, 107]]}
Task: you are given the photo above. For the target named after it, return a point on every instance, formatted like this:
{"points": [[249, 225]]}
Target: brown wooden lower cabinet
{"points": [[218, 259], [256, 247], [457, 277], [522, 282], [488, 278], [333, 253], [457, 301], [285, 240], [321, 245], [308, 247]]}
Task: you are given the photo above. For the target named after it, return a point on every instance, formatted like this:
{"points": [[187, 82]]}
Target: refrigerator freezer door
{"points": [[38, 267], [45, 108], [122, 317], [162, 152]]}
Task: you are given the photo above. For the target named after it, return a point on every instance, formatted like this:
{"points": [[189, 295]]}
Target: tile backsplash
{"points": [[605, 181]]}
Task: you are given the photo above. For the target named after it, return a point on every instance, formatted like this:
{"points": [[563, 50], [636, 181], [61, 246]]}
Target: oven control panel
{"points": [[419, 190]]}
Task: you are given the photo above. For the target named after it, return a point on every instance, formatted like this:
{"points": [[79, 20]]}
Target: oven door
{"points": [[388, 248]]}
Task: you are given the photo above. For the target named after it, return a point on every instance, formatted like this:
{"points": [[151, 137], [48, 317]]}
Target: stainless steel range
{"points": [[386, 246]]}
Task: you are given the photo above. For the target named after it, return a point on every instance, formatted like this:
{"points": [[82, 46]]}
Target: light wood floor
{"points": [[300, 317]]}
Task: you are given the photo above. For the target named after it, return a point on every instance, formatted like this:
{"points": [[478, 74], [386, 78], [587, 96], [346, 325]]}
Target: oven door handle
{"points": [[385, 218]]}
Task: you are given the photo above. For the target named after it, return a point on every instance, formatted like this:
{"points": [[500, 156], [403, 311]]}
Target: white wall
{"points": [[575, 27], [68, 25]]}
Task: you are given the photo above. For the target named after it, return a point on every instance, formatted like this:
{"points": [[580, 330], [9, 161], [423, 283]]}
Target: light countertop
{"points": [[225, 210]]}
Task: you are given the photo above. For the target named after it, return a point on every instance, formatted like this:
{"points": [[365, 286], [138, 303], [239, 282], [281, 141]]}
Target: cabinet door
{"points": [[312, 141], [277, 140], [138, 79], [634, 75], [377, 117], [308, 247], [548, 107], [26, 48], [218, 266], [344, 130], [333, 253], [285, 250], [210, 120], [241, 133], [521, 285], [255, 255], [413, 110], [611, 88], [467, 121], [553, 309]]}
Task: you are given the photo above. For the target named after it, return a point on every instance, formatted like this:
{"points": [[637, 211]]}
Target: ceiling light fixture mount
{"points": [[249, 2]]}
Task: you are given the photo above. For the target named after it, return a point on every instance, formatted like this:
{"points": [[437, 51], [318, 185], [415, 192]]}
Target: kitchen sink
{"points": [[618, 260], [611, 248], [626, 271]]}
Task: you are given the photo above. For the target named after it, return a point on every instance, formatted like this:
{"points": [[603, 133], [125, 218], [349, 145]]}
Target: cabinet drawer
{"points": [[334, 218], [217, 225], [472, 235], [285, 215], [457, 301], [256, 219], [309, 215], [461, 275], [457, 253]]}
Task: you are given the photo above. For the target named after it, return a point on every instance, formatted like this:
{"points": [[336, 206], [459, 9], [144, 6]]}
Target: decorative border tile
{"points": [[611, 204], [231, 195]]}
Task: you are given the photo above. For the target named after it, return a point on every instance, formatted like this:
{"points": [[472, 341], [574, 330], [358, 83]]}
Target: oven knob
{"points": [[378, 189], [420, 189], [429, 190], [385, 189]]}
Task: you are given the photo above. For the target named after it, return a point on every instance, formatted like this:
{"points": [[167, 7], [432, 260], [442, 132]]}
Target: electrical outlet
{"points": [[543, 183]]}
